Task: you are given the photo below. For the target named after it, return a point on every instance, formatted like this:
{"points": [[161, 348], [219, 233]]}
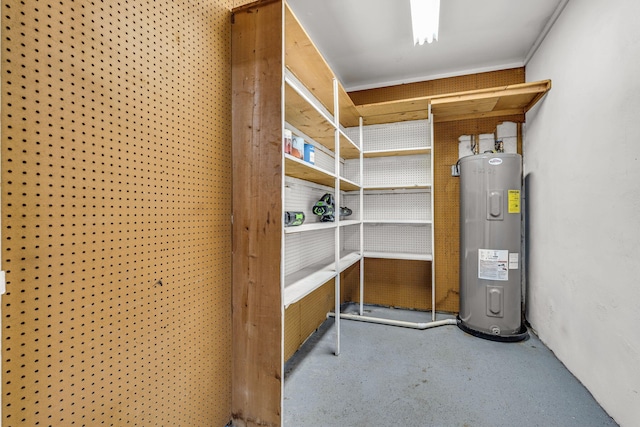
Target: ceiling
{"points": [[369, 43]]}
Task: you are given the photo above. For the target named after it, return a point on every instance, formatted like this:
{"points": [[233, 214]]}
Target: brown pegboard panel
{"points": [[292, 338], [314, 308], [302, 318], [350, 284], [116, 203], [397, 283]]}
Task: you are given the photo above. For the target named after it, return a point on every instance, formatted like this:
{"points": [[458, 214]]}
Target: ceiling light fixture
{"points": [[425, 17]]}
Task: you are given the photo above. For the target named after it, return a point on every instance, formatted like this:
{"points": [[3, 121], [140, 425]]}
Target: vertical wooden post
{"points": [[257, 76]]}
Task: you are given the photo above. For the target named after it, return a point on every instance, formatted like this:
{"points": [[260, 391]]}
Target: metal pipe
{"points": [[401, 323]]}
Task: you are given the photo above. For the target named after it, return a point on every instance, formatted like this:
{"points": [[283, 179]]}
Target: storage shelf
{"points": [[304, 60], [349, 222], [301, 283], [312, 226], [300, 169], [473, 104], [302, 114], [304, 281], [400, 152], [398, 255], [398, 221], [395, 111], [491, 102], [397, 187], [348, 149], [347, 185], [348, 258]]}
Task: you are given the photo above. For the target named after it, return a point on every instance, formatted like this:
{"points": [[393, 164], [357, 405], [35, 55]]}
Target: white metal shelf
{"points": [[348, 258], [301, 283], [309, 227], [398, 255], [417, 186], [398, 221], [328, 225]]}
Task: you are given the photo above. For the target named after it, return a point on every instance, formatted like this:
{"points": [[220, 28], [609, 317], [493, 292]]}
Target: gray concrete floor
{"points": [[391, 376]]}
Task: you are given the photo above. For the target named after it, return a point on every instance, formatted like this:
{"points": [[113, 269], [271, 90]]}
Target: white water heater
{"points": [[490, 246]]}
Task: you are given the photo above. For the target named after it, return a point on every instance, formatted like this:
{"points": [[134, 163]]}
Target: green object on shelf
{"points": [[325, 206], [293, 218]]}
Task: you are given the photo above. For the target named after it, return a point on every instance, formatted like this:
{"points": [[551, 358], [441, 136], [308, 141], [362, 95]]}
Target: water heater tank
{"points": [[490, 246]]}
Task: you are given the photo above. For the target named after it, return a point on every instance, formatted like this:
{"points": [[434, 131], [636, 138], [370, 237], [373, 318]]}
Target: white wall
{"points": [[582, 171]]}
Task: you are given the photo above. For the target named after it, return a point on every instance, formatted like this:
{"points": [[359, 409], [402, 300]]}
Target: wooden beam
{"points": [[489, 102], [533, 88], [453, 118], [405, 106], [257, 215]]}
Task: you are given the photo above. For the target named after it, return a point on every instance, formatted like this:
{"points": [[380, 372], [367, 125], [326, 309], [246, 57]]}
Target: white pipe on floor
{"points": [[400, 323]]}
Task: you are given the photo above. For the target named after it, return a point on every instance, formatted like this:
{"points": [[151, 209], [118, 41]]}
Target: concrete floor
{"points": [[391, 376]]}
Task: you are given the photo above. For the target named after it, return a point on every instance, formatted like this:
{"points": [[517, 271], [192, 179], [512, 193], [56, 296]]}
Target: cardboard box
{"points": [[287, 137], [297, 147]]}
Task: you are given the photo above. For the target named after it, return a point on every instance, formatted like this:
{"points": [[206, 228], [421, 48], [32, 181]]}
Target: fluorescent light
{"points": [[425, 17]]}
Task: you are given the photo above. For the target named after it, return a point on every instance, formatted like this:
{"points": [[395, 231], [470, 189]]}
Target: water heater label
{"points": [[495, 161], [514, 201], [493, 264], [513, 260]]}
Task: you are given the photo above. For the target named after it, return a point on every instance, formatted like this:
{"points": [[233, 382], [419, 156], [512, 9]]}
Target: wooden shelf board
{"points": [[304, 60], [308, 119], [349, 115], [398, 222], [393, 153], [398, 255], [396, 187], [302, 282], [300, 169], [348, 222], [395, 111], [311, 226], [348, 149], [346, 185], [490, 102]]}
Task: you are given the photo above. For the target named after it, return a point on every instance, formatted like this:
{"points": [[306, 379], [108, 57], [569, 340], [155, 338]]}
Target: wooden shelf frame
{"points": [[302, 282], [418, 186], [473, 104], [492, 102]]}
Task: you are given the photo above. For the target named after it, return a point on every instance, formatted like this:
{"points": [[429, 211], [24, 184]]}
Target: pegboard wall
{"points": [[116, 203], [399, 171], [391, 136]]}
